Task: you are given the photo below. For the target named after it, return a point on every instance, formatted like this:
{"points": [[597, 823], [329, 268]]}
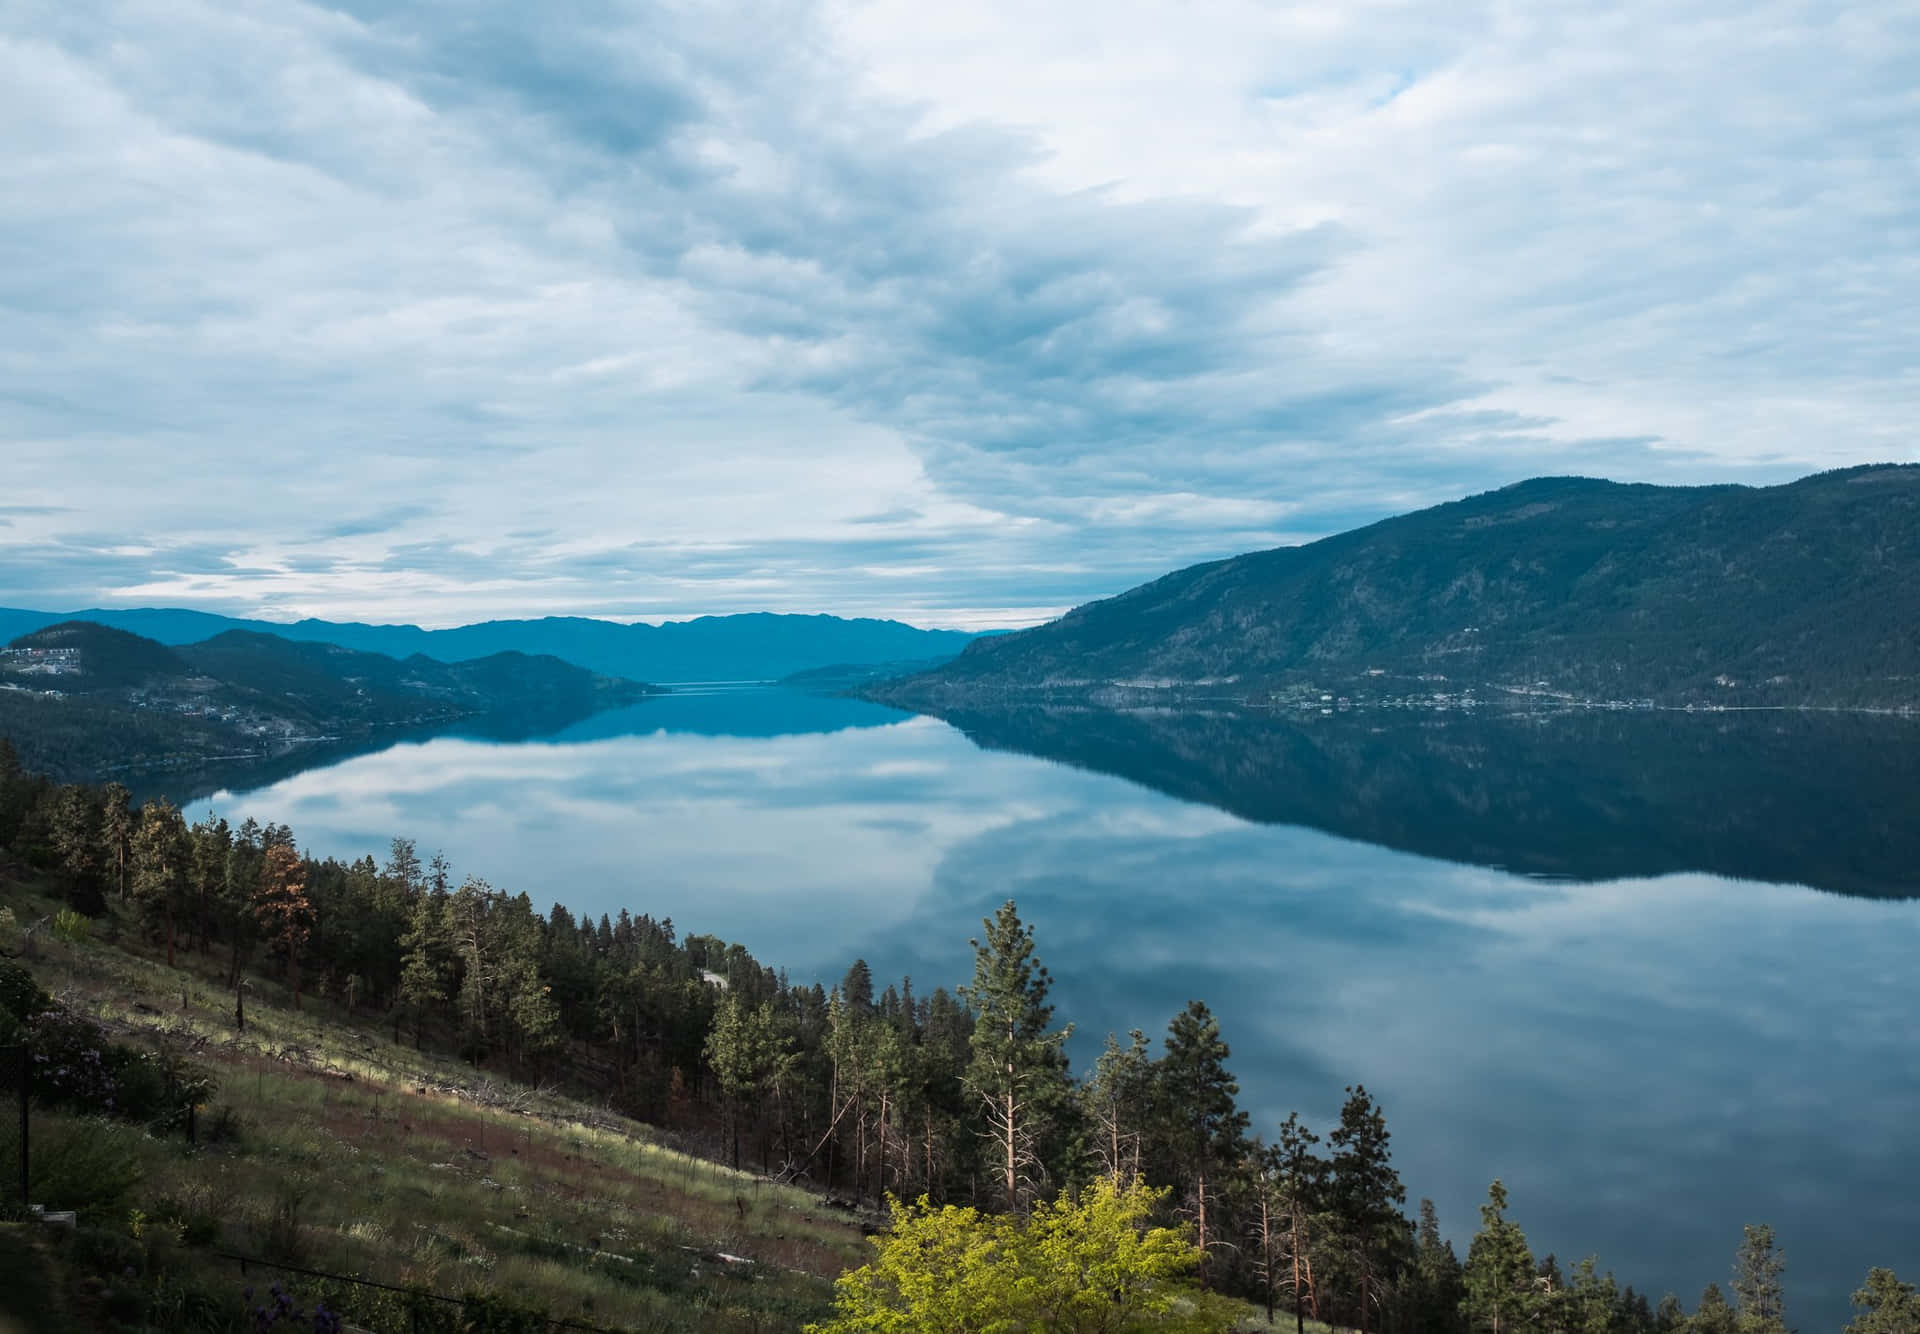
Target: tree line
{"points": [[962, 1097]]}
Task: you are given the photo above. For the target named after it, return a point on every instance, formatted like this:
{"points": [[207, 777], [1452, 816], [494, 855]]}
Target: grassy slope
{"points": [[414, 1170]]}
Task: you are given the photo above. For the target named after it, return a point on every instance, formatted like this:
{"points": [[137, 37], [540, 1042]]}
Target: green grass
{"points": [[360, 1156]]}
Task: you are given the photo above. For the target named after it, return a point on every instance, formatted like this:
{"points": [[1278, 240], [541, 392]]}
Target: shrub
{"points": [[223, 1125], [196, 1225], [75, 1066], [71, 926], [105, 1252], [87, 1165], [282, 1238], [20, 996]]}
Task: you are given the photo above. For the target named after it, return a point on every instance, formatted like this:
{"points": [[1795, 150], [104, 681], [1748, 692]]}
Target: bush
{"points": [[282, 1238], [20, 996], [223, 1125], [70, 1067], [86, 1165], [195, 1224], [105, 1252], [75, 1066], [71, 926]]}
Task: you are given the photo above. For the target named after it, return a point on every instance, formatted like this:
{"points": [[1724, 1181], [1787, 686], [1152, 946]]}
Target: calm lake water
{"points": [[1655, 972]]}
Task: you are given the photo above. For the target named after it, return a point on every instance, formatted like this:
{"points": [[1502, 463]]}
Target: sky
{"points": [[962, 314]]}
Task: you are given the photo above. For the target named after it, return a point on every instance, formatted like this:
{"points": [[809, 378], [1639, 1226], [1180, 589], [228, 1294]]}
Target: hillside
{"points": [[1801, 594], [80, 699], [749, 647], [327, 1146]]}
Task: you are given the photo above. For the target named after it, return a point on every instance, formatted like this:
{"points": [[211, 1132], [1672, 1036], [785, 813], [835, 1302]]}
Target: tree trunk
{"points": [[1299, 1297], [1013, 1162], [886, 1100], [1204, 1281]]}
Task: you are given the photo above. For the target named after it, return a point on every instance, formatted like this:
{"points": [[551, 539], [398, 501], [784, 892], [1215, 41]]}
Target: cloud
{"points": [[705, 295]]}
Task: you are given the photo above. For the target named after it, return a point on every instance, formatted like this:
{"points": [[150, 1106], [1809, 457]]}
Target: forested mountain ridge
{"points": [[1801, 594], [78, 698], [752, 646]]}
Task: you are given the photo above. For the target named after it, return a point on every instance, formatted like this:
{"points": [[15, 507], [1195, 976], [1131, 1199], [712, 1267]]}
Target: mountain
{"points": [[1801, 594], [1814, 799], [79, 699], [759, 646]]}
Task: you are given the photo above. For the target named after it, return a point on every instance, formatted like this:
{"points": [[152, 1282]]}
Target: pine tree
{"points": [[1714, 1316], [1757, 1289], [1499, 1271], [1302, 1190], [1366, 1195], [1885, 1306], [426, 965], [211, 841], [1438, 1270], [76, 839], [744, 1050], [116, 833], [241, 879], [1018, 1067], [1120, 1101], [160, 868], [1205, 1127], [281, 906]]}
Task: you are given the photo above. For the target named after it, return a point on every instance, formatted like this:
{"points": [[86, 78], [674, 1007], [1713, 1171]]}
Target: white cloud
{"points": [[1087, 292]]}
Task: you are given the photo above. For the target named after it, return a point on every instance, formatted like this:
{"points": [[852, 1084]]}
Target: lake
{"points": [[1654, 971]]}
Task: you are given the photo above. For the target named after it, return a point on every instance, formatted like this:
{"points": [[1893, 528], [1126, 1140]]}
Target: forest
{"points": [[959, 1101]]}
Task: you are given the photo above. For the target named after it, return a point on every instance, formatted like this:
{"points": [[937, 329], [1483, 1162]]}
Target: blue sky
{"points": [[963, 314]]}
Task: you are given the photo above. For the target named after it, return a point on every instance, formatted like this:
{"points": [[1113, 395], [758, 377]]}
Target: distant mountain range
{"points": [[80, 699], [1801, 594], [751, 647]]}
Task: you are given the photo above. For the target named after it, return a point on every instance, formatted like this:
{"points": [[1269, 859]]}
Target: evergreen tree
{"points": [[1499, 1271], [1757, 1289], [1714, 1316], [1120, 1102], [1206, 1130], [1018, 1066], [237, 887], [281, 906], [426, 966], [1592, 1300], [211, 840], [160, 868], [1437, 1269], [856, 989], [1302, 1190], [75, 827], [1885, 1306], [1366, 1196], [116, 833], [742, 1048]]}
